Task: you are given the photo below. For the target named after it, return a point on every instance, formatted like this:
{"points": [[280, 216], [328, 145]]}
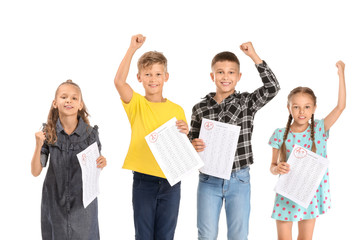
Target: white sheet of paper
{"points": [[221, 141], [306, 171], [90, 173], [173, 152]]}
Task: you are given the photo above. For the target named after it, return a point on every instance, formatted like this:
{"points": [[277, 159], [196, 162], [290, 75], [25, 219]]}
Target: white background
{"points": [[44, 43]]}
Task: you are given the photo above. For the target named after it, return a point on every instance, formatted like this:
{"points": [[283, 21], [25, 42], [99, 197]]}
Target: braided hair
{"points": [[287, 129]]}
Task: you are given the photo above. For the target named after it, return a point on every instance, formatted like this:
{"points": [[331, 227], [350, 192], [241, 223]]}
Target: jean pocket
{"points": [[243, 175], [203, 177], [136, 182]]}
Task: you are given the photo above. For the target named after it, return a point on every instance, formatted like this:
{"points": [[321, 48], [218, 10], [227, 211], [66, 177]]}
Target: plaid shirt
{"points": [[238, 109]]}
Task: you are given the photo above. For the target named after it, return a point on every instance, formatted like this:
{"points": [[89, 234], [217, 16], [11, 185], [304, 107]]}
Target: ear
{"points": [[240, 74], [138, 77], [212, 76], [81, 105], [166, 77], [54, 104], [314, 109]]}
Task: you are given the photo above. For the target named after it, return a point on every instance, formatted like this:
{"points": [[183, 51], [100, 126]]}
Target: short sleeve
{"points": [[130, 107], [320, 130], [44, 154], [181, 115], [275, 140], [96, 132]]}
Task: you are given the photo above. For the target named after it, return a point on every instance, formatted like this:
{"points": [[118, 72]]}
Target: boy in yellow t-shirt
{"points": [[155, 202]]}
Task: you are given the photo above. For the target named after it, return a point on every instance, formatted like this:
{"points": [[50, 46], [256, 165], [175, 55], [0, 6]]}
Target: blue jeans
{"points": [[212, 191], [156, 207]]}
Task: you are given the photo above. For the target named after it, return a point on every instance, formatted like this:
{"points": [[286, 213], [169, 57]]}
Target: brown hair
{"points": [[50, 127], [225, 56], [150, 58], [297, 90]]}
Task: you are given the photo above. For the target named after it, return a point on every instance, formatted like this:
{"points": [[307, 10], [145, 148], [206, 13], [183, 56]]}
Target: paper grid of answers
{"points": [[221, 141], [306, 171], [173, 152], [90, 173]]}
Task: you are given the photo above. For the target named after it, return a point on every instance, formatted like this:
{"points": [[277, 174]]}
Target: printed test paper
{"points": [[306, 171], [90, 173], [173, 152], [221, 141]]}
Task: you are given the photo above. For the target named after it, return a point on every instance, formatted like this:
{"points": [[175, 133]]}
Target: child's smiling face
{"points": [[68, 100], [153, 78], [225, 75], [301, 107]]}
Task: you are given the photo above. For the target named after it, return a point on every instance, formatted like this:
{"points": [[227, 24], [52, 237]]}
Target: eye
{"points": [[74, 98], [231, 72], [158, 74], [220, 72], [308, 107]]}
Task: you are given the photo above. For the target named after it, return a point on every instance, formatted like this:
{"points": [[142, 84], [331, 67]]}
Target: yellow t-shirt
{"points": [[145, 117]]}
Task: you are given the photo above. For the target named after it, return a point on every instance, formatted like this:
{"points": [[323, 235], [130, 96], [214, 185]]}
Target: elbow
{"points": [[341, 107], [35, 174]]}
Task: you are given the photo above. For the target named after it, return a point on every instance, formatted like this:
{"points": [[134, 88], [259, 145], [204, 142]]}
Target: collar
{"points": [[211, 101], [80, 128]]}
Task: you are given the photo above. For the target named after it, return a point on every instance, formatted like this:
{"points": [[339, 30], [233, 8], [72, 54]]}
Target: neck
{"points": [[296, 128], [69, 123], [219, 97], [155, 98]]}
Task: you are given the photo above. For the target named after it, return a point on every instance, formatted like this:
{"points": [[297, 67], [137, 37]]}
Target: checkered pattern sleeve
{"points": [[268, 91], [195, 123]]}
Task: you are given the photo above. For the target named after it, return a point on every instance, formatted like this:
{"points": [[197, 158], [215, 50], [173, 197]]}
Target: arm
{"points": [[121, 85], [270, 87], [194, 132], [278, 168], [36, 166], [336, 112]]}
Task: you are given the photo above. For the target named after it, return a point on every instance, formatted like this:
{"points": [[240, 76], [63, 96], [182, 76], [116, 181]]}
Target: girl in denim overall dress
{"points": [[66, 133]]}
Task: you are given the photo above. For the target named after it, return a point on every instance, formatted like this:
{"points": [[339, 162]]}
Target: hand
{"points": [[182, 126], [40, 138], [137, 41], [282, 168], [249, 50], [198, 144], [101, 162], [341, 67]]}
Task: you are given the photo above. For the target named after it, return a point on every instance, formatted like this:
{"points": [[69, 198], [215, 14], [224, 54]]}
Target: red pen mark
{"points": [[300, 152], [209, 125], [83, 158], [153, 137]]}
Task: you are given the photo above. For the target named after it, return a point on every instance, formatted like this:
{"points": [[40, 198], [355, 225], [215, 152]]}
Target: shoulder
{"points": [[276, 138]]}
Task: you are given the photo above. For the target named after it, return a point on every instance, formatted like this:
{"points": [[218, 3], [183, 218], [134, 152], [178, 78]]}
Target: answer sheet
{"points": [[173, 152], [306, 171], [221, 141], [90, 173]]}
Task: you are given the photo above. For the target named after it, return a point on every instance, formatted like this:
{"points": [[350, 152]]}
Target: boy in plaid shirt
{"points": [[229, 106]]}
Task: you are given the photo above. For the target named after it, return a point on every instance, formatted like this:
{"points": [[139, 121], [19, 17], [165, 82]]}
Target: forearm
{"points": [[342, 93], [257, 60], [123, 70], [273, 169], [271, 84], [36, 166]]}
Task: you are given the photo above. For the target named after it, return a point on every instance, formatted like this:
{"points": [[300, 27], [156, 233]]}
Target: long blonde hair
{"points": [[50, 127], [287, 129]]}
